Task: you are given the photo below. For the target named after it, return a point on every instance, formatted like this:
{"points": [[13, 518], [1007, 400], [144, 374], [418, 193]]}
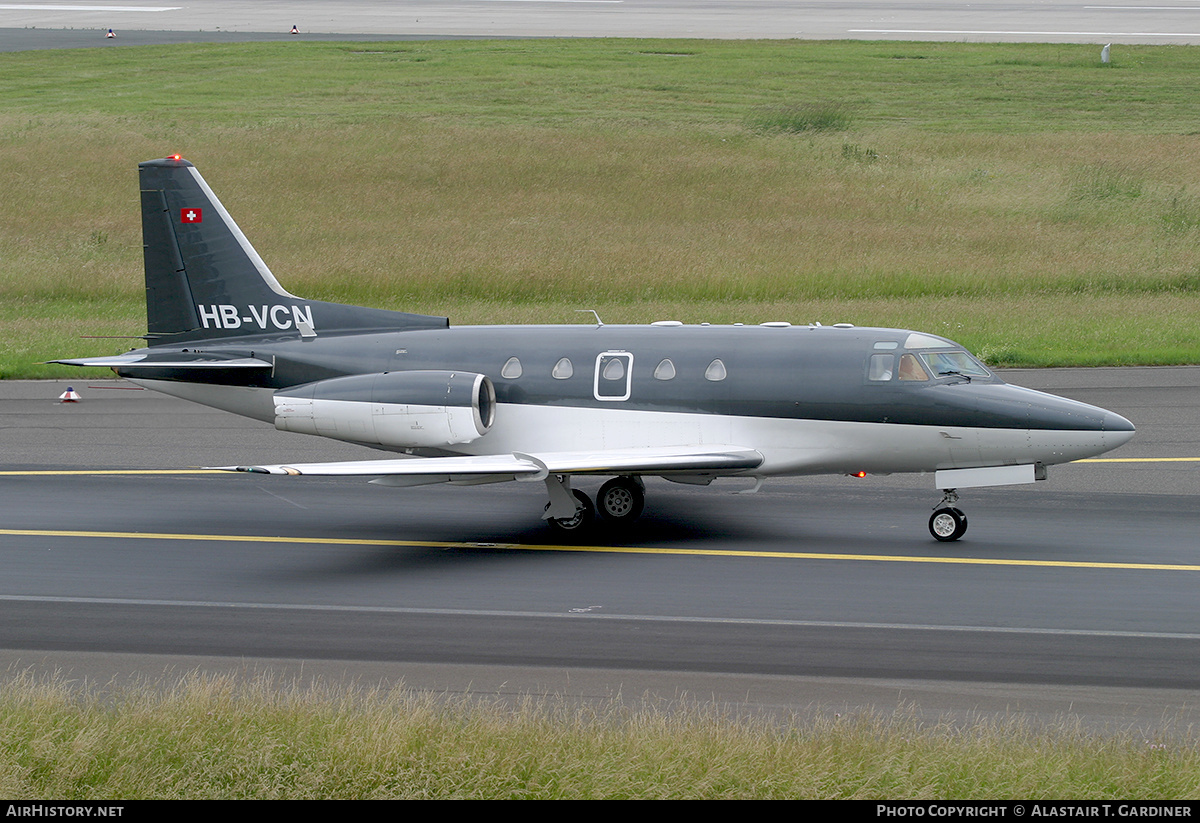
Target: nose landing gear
{"points": [[947, 523]]}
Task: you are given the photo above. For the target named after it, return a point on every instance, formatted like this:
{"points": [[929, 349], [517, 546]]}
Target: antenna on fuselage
{"points": [[599, 322]]}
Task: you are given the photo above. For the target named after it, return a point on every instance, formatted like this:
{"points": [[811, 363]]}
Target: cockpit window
{"points": [[958, 363], [911, 368], [916, 340], [881, 367]]}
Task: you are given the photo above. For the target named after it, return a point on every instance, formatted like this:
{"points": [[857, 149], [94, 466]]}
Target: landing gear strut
{"points": [[947, 523], [585, 515]]}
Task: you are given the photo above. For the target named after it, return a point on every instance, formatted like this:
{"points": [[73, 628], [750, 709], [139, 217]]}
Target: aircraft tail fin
{"points": [[204, 280]]}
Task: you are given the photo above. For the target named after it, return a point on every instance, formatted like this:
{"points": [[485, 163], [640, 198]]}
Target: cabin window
{"points": [[881, 367], [911, 368], [512, 369], [665, 370], [562, 369], [715, 371]]}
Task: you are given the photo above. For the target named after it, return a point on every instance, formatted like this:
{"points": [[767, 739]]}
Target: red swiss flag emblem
{"points": [[190, 216]]}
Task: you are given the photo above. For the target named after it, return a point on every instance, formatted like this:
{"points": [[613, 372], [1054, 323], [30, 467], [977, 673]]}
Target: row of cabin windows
{"points": [[614, 369]]}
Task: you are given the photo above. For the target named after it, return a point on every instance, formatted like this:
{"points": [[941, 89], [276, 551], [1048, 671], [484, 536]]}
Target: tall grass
{"points": [[521, 180], [224, 737], [799, 118]]}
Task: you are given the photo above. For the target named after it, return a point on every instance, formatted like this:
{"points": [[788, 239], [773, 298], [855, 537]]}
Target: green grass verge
{"points": [[217, 737], [1025, 199]]}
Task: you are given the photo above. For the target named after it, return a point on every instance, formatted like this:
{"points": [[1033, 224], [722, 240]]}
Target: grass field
{"points": [[1037, 205], [216, 737]]}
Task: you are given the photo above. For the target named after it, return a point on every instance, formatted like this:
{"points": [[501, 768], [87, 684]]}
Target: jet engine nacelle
{"points": [[395, 409]]}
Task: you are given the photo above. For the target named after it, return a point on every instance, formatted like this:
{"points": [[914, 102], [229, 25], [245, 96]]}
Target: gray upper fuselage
{"points": [[796, 372]]}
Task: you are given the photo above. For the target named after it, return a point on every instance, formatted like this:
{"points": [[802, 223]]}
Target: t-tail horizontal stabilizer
{"points": [[169, 360]]}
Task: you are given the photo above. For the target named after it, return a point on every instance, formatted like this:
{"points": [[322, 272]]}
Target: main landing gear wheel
{"points": [[620, 500], [585, 513], [947, 524]]}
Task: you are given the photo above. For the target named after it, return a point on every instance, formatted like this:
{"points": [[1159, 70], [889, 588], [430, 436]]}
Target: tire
{"points": [[947, 525], [585, 515], [620, 500]]}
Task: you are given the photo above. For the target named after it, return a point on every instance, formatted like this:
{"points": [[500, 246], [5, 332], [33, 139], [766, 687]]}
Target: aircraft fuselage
{"points": [[804, 396]]}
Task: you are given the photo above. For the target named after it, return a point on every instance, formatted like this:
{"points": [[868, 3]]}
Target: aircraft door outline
{"points": [[613, 376]]}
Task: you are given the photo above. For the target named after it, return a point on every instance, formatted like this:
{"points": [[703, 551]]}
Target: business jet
{"points": [[544, 404]]}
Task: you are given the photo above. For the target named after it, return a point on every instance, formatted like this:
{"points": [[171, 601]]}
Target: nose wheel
{"points": [[948, 523]]}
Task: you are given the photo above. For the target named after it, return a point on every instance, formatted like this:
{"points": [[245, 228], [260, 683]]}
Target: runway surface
{"points": [[223, 20], [1076, 594]]}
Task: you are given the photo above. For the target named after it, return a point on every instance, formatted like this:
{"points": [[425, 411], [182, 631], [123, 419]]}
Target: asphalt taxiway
{"points": [[55, 25], [1072, 595]]}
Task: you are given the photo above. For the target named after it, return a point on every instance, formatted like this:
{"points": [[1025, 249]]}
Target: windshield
{"points": [[955, 363]]}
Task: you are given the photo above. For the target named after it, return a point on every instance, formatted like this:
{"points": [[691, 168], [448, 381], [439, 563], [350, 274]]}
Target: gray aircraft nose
{"points": [[1114, 422], [1117, 430]]}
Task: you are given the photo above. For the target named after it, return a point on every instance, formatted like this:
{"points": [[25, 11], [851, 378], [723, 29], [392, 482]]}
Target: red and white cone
{"points": [[69, 396]]}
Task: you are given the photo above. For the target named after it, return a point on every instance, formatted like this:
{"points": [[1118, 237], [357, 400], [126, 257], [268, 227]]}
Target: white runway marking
{"points": [[45, 7], [576, 615], [549, 1], [958, 32]]}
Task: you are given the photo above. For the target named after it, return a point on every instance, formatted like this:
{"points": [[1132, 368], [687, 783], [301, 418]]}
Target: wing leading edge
{"points": [[520, 466]]}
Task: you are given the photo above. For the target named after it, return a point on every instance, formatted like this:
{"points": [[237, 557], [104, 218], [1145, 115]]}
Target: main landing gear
{"points": [[619, 502], [947, 523]]}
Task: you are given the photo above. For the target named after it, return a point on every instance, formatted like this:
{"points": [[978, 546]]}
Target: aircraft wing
{"points": [[169, 360], [520, 466]]}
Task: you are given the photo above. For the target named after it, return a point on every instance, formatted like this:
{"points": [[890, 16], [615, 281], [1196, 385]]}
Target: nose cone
{"points": [[1071, 430], [1054, 429], [1008, 406], [1117, 430], [1114, 422]]}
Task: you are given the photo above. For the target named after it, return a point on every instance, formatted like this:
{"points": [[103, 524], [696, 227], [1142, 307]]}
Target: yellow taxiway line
{"points": [[529, 547]]}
